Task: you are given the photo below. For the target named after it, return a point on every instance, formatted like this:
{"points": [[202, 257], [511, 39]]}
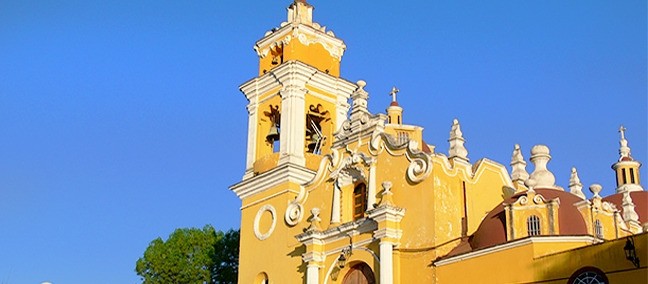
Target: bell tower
{"points": [[298, 99], [296, 103]]}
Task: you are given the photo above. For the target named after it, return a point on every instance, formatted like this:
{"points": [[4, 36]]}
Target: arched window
{"points": [[598, 229], [359, 201], [533, 225], [588, 275], [261, 278]]}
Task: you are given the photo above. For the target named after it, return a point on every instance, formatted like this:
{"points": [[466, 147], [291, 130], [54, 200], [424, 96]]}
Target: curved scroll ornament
{"points": [[538, 199], [420, 163], [523, 200], [294, 213], [295, 209]]}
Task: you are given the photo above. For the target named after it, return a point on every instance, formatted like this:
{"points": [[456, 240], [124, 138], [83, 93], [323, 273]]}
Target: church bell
{"points": [[273, 134]]}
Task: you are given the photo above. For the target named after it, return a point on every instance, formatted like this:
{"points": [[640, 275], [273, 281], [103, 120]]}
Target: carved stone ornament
{"points": [[420, 162]]}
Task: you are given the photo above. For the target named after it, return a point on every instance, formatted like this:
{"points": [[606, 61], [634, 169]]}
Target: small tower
{"points": [[394, 111], [457, 149], [626, 168], [519, 173]]}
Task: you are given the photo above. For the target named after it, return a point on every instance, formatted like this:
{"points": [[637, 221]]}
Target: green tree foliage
{"points": [[191, 256]]}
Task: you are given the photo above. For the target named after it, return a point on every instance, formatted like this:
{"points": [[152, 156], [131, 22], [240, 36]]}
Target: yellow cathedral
{"points": [[335, 194]]}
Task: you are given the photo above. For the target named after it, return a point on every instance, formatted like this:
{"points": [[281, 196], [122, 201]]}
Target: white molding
{"points": [[274, 177], [295, 72], [268, 198], [514, 244], [257, 220], [306, 35]]}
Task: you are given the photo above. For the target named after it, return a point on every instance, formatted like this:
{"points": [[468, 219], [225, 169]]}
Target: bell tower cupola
{"points": [[298, 99], [626, 168]]}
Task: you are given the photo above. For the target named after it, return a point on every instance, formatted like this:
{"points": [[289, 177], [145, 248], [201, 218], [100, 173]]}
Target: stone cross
{"points": [[622, 131]]}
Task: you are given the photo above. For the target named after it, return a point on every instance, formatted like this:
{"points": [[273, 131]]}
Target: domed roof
{"points": [[640, 200], [492, 230]]}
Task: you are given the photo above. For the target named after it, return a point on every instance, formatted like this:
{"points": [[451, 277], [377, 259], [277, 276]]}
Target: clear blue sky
{"points": [[122, 120]]}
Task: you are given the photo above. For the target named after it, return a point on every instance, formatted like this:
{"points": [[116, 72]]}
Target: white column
{"points": [[293, 125], [386, 263], [371, 194], [252, 139], [335, 211], [312, 274]]}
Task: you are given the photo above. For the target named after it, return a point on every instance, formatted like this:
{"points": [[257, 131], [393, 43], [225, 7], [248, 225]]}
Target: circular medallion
{"points": [[257, 221]]}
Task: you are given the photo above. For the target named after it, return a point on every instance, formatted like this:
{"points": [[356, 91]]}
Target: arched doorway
{"points": [[359, 274]]}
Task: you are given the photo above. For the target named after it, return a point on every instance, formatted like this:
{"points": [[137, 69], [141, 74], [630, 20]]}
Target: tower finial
{"points": [[519, 173], [575, 185], [300, 12], [457, 148]]}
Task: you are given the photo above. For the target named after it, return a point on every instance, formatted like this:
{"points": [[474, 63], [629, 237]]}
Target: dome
{"points": [[492, 230]]}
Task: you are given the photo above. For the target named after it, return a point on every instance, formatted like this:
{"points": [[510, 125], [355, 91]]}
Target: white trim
{"points": [[514, 244], [268, 198], [257, 220], [274, 177], [297, 73]]}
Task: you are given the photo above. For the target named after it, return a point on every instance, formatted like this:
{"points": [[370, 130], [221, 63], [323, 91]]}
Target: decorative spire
{"points": [[629, 213], [359, 98], [542, 177], [518, 166], [575, 185], [457, 149], [624, 150]]}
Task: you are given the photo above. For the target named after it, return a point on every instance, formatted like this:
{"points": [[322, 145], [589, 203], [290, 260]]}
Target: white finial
{"points": [[629, 213], [393, 93], [595, 189], [300, 12], [540, 158], [457, 148], [314, 220], [575, 185], [359, 98], [386, 194], [624, 150], [518, 166]]}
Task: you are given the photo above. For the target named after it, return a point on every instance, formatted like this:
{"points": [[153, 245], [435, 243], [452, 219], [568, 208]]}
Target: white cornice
{"points": [[340, 232], [274, 177], [514, 244], [305, 34], [300, 74]]}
